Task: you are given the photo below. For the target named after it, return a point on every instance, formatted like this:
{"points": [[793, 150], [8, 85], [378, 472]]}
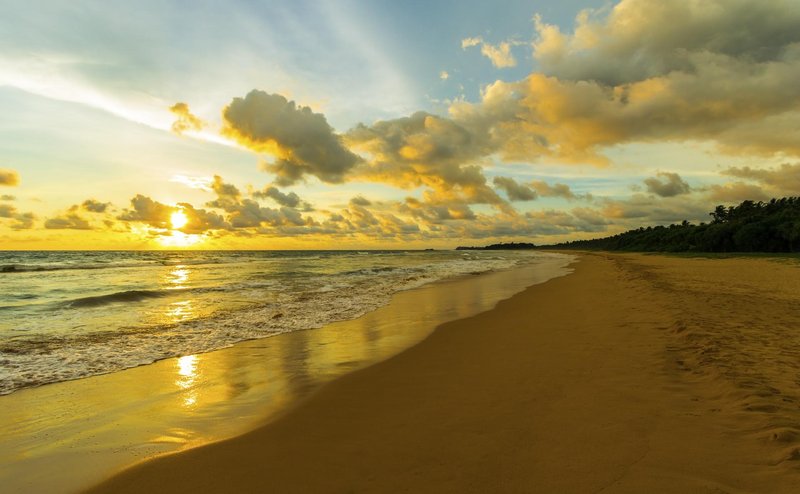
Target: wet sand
{"points": [[634, 374]]}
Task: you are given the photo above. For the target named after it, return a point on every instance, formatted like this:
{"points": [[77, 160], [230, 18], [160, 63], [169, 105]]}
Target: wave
{"points": [[32, 268], [124, 296], [27, 268]]}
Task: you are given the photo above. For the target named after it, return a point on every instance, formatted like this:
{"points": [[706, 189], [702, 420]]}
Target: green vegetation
{"points": [[772, 226]]}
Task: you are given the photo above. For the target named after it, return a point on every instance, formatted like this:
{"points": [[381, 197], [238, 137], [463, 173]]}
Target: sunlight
{"points": [[179, 311], [179, 239], [177, 277], [178, 220]]}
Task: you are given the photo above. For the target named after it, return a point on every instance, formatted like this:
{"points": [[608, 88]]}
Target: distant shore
{"points": [[634, 374]]}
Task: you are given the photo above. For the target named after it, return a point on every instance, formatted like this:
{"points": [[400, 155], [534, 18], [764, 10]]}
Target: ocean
{"points": [[66, 315]]}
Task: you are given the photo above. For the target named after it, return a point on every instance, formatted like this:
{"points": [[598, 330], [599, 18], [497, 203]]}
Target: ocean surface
{"points": [[67, 315]]}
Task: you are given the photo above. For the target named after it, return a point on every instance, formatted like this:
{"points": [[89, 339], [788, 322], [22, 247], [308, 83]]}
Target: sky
{"points": [[383, 124]]}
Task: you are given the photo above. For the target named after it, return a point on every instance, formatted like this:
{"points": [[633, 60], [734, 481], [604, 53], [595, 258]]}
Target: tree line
{"points": [[772, 226]]}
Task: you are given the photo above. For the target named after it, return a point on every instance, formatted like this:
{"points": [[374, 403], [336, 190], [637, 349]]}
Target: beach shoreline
{"points": [[52, 442], [634, 374]]}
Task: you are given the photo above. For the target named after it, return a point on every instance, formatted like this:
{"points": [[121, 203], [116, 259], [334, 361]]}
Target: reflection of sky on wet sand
{"points": [[187, 370], [176, 403]]}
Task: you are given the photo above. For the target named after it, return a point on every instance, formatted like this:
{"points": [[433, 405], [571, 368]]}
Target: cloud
{"points": [[291, 200], [444, 75], [200, 220], [642, 39], [785, 178], [186, 120], [300, 140], [360, 201], [425, 150], [9, 177], [558, 190], [555, 222], [469, 42], [247, 213], [735, 192], [158, 216], [7, 211], [651, 70], [95, 206], [146, 210], [69, 221], [7, 197], [201, 183], [500, 54], [671, 185], [641, 209], [514, 190], [610, 82], [740, 93], [22, 221]]}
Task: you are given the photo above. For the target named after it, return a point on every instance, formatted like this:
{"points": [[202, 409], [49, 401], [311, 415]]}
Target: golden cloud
{"points": [[186, 120], [9, 177]]}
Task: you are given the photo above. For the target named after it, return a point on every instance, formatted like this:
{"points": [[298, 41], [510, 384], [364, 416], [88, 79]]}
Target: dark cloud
{"points": [[69, 221], [146, 210], [7, 211], [301, 141], [200, 220], [247, 213], [159, 215], [9, 177], [514, 190], [21, 221], [95, 206], [290, 200], [667, 184], [7, 197], [557, 190]]}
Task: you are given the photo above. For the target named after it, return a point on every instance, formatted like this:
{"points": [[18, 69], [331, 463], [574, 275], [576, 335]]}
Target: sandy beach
{"points": [[634, 374]]}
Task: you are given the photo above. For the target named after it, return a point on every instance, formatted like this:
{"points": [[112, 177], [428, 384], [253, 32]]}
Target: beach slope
{"points": [[634, 374]]}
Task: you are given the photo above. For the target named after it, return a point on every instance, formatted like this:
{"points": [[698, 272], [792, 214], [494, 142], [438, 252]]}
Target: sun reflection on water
{"points": [[179, 311], [178, 277]]}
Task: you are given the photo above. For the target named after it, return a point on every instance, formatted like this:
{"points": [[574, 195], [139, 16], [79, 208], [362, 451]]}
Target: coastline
{"points": [[52, 442], [633, 374]]}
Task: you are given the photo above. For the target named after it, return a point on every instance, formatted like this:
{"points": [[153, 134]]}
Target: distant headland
{"points": [[504, 246]]}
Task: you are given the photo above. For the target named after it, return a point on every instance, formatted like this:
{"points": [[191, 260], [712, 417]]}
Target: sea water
{"points": [[66, 315]]}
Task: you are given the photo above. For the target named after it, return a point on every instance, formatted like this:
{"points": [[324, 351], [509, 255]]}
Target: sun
{"points": [[178, 220]]}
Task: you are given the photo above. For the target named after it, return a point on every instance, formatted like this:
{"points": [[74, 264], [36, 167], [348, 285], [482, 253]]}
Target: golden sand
{"points": [[634, 374]]}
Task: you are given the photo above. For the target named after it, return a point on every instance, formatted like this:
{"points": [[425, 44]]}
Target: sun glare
{"points": [[179, 239], [178, 220]]}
